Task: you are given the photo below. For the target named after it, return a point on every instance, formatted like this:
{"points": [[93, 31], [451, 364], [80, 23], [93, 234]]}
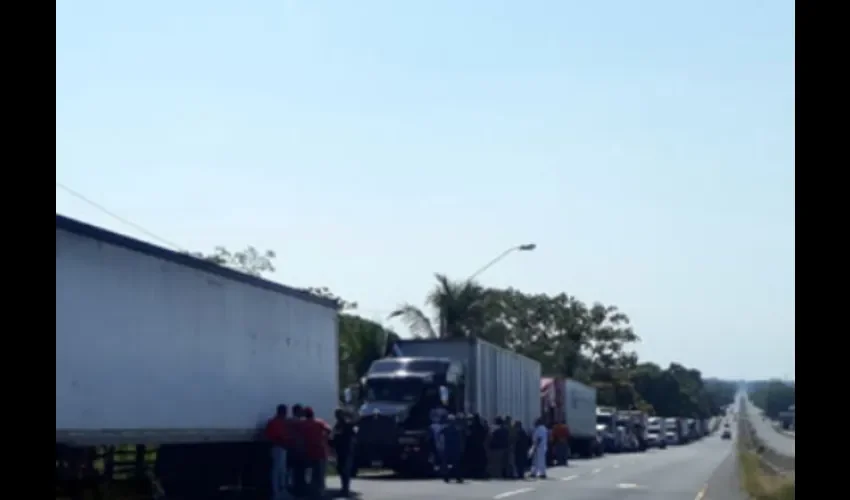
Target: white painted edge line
{"points": [[596, 471], [569, 478], [512, 493], [701, 493]]}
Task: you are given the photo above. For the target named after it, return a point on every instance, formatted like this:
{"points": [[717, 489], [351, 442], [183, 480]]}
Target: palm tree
{"points": [[459, 308]]}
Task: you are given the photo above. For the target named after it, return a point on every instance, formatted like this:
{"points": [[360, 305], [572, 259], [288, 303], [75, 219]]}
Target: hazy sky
{"points": [[646, 147]]}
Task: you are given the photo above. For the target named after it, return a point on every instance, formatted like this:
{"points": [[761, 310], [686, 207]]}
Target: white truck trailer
{"points": [[467, 375], [155, 347], [580, 402]]}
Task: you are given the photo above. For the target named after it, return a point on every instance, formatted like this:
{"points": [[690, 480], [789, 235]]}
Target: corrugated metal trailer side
{"points": [[500, 382], [580, 408], [508, 384], [155, 346]]}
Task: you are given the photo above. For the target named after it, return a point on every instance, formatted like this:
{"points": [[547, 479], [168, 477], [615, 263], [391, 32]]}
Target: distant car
{"points": [[727, 434]]}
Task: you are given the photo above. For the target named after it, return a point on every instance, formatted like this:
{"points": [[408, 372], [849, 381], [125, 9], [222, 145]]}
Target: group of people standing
{"points": [[465, 446], [469, 447], [301, 446]]}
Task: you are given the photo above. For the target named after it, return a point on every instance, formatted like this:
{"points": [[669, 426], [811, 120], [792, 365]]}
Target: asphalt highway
{"points": [[779, 442], [703, 470]]}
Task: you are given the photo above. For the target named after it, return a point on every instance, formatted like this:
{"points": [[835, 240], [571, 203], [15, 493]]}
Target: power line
{"points": [[117, 217]]}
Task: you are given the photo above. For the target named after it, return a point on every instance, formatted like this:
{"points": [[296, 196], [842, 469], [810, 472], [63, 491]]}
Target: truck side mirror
{"points": [[444, 395], [346, 395]]}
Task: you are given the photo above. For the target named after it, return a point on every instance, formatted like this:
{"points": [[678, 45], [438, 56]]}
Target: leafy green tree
{"points": [[258, 263], [773, 396], [361, 341], [249, 260]]}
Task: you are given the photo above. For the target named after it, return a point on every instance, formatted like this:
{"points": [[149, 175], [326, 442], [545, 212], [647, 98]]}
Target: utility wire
{"points": [[117, 217]]}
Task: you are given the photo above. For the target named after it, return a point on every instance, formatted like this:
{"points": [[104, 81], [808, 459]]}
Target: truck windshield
{"points": [[396, 390], [391, 365]]}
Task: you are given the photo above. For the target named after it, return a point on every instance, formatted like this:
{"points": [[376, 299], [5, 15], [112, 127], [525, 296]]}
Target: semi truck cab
{"points": [[398, 397]]}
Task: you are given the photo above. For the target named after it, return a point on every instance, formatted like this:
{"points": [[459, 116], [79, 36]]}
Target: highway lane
{"points": [[678, 473], [772, 438]]}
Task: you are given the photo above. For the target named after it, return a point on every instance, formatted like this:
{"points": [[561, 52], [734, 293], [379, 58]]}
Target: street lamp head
{"points": [[527, 247]]}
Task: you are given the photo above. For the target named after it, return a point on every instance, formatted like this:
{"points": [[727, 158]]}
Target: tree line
{"points": [[772, 396], [592, 343]]}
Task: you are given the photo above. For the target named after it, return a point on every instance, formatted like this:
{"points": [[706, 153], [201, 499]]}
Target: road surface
{"points": [[704, 470], [780, 443]]}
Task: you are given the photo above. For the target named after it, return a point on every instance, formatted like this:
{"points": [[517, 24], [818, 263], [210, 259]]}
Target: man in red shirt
{"points": [[316, 434], [277, 433]]}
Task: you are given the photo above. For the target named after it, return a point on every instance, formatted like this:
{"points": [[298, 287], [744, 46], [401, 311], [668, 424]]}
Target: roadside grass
{"points": [[761, 485], [759, 479]]}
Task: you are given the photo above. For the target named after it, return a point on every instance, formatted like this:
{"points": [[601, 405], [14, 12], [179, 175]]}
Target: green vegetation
{"points": [[759, 479], [761, 485], [592, 343], [772, 396]]}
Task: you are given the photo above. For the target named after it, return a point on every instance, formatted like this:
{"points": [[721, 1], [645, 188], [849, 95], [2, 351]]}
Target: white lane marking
{"points": [[569, 478], [596, 471], [616, 466], [701, 493], [512, 493], [627, 486]]}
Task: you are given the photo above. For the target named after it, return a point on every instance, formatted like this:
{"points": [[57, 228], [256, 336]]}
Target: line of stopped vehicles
{"points": [[157, 349], [395, 400]]}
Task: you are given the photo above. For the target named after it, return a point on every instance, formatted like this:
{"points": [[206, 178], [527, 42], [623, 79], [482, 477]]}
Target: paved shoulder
{"points": [[725, 483]]}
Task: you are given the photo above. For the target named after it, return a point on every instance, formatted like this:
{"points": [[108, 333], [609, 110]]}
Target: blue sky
{"points": [[646, 147]]}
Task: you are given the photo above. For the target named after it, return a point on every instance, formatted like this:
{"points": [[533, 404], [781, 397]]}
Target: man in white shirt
{"points": [[540, 442]]}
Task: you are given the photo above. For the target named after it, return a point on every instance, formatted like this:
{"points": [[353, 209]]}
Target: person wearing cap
{"points": [[278, 434], [452, 449]]}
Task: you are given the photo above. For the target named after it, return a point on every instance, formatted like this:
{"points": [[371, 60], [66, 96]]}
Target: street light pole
{"points": [[528, 247]]}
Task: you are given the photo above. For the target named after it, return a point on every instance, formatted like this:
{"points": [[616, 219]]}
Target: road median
{"points": [[765, 474]]}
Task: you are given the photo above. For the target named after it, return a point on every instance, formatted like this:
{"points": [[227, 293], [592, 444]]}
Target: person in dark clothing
{"points": [[476, 451], [342, 441], [499, 442], [451, 450], [523, 444]]}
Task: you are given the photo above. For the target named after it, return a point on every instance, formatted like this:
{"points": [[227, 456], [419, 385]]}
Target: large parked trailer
{"points": [[499, 382], [155, 347], [570, 401], [401, 395]]}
